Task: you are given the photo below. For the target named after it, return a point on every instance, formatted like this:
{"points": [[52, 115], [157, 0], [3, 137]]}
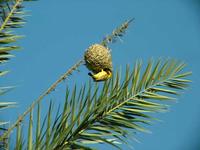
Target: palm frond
{"points": [[11, 17], [111, 112], [121, 106]]}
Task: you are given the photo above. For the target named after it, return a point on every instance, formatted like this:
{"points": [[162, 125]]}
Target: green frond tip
{"points": [[7, 104], [3, 123], [10, 39], [4, 90], [8, 48], [2, 73]]}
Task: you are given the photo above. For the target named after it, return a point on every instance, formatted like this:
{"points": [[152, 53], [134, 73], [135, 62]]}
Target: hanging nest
{"points": [[98, 57]]}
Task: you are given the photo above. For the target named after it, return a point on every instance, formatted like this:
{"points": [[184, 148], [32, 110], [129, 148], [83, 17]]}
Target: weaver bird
{"points": [[103, 75]]}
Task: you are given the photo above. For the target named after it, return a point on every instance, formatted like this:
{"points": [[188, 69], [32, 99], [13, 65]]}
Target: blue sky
{"points": [[58, 32]]}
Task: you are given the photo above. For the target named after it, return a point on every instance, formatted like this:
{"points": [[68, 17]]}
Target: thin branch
{"points": [[117, 33], [48, 91]]}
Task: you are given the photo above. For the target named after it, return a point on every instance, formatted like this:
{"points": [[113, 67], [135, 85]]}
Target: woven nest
{"points": [[98, 57]]}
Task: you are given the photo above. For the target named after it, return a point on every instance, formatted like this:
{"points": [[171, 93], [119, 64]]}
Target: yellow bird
{"points": [[103, 75]]}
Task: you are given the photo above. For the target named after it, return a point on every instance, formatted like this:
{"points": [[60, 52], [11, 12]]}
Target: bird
{"points": [[103, 75]]}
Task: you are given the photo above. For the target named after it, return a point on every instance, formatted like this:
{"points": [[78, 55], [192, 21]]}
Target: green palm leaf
{"points": [[11, 17], [122, 106], [111, 112]]}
